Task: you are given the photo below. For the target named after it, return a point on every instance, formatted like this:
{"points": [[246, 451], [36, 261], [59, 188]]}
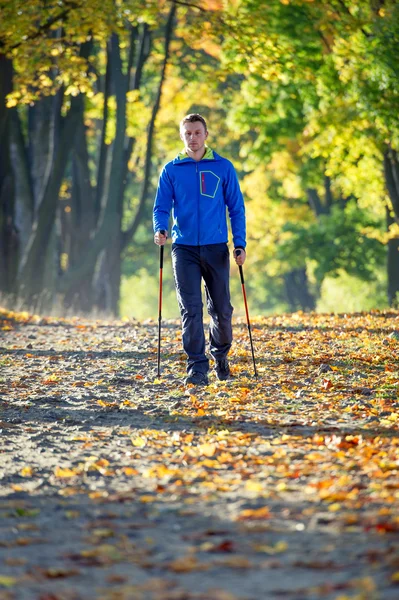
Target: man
{"points": [[198, 185]]}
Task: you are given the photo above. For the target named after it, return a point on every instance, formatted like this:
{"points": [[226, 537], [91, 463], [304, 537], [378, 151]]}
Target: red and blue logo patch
{"points": [[209, 183]]}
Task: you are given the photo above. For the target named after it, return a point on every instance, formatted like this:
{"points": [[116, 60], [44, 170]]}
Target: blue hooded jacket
{"points": [[199, 192]]}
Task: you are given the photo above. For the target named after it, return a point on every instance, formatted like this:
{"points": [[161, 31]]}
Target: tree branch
{"points": [[46, 26], [189, 4]]}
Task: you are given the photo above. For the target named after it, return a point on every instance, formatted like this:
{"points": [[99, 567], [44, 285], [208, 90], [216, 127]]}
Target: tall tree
{"points": [[8, 233]]}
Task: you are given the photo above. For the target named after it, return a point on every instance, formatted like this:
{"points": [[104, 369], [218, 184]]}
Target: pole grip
{"points": [[238, 252], [161, 248]]}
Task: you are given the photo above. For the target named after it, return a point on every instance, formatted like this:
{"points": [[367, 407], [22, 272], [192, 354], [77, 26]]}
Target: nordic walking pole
{"points": [[161, 249], [238, 252]]}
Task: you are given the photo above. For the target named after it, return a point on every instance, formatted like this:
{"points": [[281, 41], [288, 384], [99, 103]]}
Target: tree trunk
{"points": [[80, 222], [30, 276], [393, 266], [391, 171], [117, 183], [43, 134], [8, 233], [315, 202], [102, 171], [297, 290], [25, 202], [328, 194]]}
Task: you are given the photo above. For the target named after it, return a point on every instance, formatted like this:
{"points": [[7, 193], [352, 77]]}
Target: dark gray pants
{"points": [[212, 264]]}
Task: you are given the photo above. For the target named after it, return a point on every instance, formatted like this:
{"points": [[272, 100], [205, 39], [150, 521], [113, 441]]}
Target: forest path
{"points": [[118, 485]]}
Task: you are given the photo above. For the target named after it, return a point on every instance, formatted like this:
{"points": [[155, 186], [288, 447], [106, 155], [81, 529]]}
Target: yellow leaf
{"points": [[281, 546], [253, 486], [64, 473], [139, 442], [207, 449], [146, 499], [7, 581], [27, 472], [103, 532]]}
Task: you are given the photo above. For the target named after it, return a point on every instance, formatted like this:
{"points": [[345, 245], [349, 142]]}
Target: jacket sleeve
{"points": [[235, 204], [163, 202]]}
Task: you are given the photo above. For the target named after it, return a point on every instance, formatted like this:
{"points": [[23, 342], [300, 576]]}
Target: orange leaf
{"points": [[130, 471], [64, 473], [254, 513]]}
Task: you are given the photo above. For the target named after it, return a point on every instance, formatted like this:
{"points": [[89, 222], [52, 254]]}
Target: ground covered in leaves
{"points": [[118, 485]]}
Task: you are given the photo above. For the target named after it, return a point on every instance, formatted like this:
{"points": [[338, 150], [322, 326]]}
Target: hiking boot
{"points": [[222, 369], [197, 378]]}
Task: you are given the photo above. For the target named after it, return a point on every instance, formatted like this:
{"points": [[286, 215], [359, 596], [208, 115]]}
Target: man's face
{"points": [[193, 136]]}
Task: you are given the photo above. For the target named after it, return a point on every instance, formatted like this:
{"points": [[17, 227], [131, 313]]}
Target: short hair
{"points": [[192, 118]]}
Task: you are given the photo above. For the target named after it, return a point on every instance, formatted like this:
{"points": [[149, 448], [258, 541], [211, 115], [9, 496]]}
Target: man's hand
{"points": [[160, 238], [240, 255]]}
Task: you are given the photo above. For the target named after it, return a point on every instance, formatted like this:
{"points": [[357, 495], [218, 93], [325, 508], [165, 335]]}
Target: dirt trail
{"points": [[117, 485]]}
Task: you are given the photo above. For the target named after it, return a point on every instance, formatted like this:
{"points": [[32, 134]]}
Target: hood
{"points": [[183, 156]]}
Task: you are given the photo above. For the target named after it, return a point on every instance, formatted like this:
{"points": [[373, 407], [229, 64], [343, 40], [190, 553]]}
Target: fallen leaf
{"points": [[7, 581], [186, 564], [64, 473], [139, 442]]}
